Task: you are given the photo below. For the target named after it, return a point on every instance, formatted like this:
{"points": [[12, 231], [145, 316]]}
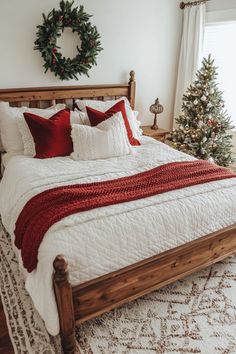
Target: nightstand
{"points": [[159, 134]]}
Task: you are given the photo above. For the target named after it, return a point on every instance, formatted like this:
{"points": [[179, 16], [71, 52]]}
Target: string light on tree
{"points": [[204, 123]]}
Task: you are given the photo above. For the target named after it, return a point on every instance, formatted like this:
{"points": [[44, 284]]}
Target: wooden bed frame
{"points": [[88, 300]]}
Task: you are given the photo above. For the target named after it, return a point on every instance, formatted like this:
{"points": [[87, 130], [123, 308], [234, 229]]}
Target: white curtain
{"points": [[191, 51]]}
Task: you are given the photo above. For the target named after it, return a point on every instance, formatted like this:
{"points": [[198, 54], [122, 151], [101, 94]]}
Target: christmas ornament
{"points": [[50, 31], [211, 160], [200, 123], [210, 123], [213, 135]]}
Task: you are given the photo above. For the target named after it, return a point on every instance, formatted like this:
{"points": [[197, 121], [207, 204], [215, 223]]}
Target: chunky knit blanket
{"points": [[50, 206]]}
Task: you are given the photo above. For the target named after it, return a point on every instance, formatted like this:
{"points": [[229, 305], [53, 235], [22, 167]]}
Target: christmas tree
{"points": [[203, 126]]}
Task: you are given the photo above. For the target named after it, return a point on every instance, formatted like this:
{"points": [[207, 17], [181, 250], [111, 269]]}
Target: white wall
{"points": [[136, 34], [215, 5]]}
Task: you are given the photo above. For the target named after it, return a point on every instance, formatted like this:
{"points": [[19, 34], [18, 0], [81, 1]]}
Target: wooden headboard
{"points": [[42, 97]]}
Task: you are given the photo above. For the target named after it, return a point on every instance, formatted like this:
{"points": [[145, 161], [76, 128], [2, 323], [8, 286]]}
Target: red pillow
{"points": [[97, 117], [51, 136]]}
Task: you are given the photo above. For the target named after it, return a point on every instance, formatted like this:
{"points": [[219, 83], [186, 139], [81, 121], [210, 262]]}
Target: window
{"points": [[220, 42]]}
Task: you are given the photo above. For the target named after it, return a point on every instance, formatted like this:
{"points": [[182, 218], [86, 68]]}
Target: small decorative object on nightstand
{"points": [[156, 109], [159, 134]]}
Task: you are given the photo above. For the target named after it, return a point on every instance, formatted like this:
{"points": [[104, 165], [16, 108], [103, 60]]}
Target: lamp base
{"points": [[154, 127]]}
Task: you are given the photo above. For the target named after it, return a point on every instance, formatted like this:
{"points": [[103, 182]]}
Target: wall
{"points": [[139, 35], [215, 5]]}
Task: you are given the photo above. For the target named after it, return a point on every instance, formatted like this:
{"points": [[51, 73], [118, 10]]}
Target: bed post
{"points": [[63, 293], [132, 89]]}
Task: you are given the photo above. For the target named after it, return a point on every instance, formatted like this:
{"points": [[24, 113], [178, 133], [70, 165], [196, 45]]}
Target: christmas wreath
{"points": [[51, 29]]}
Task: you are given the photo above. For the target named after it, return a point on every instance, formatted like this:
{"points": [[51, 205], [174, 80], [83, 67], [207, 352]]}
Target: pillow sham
{"points": [[96, 117], [138, 130], [28, 141], [10, 136], [52, 136], [103, 106], [108, 139]]}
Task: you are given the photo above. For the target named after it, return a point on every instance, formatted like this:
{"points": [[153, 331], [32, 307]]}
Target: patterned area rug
{"points": [[195, 315]]}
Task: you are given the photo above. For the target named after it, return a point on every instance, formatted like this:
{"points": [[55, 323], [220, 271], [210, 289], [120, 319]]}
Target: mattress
{"points": [[106, 239]]}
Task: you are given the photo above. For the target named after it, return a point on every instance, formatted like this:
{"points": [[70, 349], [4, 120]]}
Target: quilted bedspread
{"points": [[99, 241]]}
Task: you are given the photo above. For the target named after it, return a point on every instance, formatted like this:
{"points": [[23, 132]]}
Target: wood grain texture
{"points": [[132, 89], [159, 134], [105, 293], [37, 97], [64, 301]]}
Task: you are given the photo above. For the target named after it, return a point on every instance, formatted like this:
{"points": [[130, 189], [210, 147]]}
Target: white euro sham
{"points": [[103, 106]]}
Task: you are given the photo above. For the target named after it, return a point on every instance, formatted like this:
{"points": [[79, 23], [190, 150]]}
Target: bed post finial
{"points": [[64, 299], [132, 76], [132, 89], [60, 268]]}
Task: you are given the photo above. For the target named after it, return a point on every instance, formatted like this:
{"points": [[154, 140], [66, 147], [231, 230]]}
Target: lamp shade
{"points": [[156, 108]]}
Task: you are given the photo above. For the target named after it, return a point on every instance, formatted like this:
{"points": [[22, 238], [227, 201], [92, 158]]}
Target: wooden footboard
{"points": [[100, 295]]}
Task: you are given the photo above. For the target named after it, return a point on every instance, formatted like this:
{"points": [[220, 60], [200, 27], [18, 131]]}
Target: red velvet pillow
{"points": [[97, 117], [51, 136]]}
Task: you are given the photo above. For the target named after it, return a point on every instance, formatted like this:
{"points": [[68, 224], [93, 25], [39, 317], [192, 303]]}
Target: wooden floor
{"points": [[5, 342]]}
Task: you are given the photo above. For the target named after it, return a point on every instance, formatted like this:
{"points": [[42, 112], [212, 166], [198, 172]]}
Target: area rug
{"points": [[194, 315]]}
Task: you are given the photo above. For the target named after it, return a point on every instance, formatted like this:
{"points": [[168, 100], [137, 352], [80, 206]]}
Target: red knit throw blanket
{"points": [[50, 206]]}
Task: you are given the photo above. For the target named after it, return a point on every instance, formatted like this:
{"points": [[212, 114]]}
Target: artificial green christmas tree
{"points": [[203, 126]]}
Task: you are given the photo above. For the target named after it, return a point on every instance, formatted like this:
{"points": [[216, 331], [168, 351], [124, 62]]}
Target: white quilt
{"points": [[106, 239]]}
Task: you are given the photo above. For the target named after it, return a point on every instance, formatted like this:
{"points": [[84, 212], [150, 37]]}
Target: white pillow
{"points": [[28, 141], [137, 123], [107, 139], [103, 106], [9, 131], [10, 135]]}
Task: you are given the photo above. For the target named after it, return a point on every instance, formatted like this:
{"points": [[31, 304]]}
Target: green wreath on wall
{"points": [[52, 28]]}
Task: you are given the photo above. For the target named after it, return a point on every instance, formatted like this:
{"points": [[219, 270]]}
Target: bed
{"points": [[114, 254]]}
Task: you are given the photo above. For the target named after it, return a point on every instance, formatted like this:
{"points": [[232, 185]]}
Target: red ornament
{"points": [[54, 50], [210, 123], [54, 61]]}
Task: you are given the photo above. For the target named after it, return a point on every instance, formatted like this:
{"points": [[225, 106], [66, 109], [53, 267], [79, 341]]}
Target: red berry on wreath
{"points": [[54, 61], [54, 50]]}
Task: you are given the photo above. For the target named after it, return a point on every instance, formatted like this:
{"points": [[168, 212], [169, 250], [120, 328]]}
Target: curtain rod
{"points": [[183, 4]]}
